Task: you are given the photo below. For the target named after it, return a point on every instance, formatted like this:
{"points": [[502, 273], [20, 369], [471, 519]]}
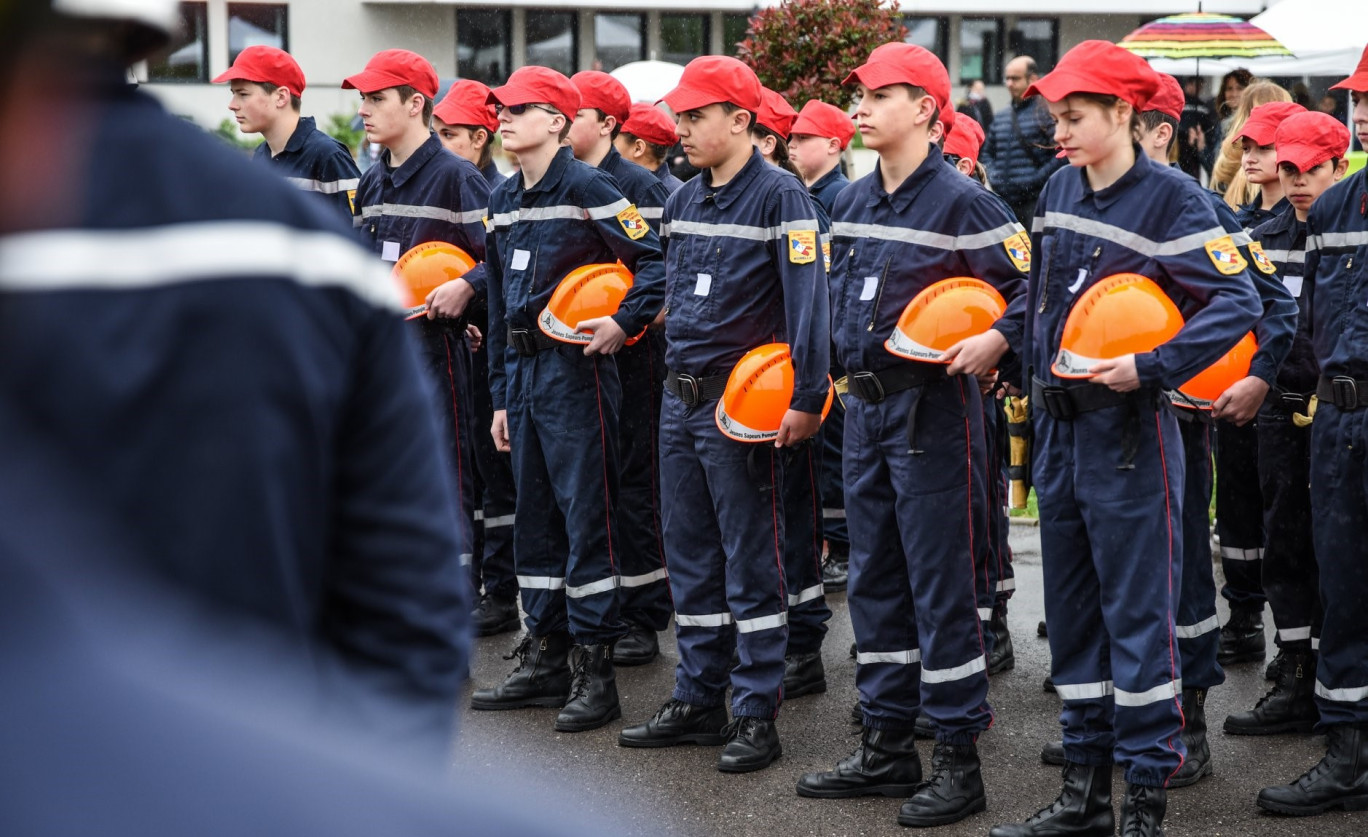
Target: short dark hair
{"points": [[487, 151], [405, 93], [1151, 119], [617, 128], [781, 150], [658, 152], [271, 87], [732, 107]]}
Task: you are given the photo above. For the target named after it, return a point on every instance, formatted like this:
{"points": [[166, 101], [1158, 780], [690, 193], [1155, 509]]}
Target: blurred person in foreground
{"points": [[227, 369]]}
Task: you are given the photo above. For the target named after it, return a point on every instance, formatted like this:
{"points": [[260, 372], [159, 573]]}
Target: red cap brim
{"points": [[370, 81], [1358, 83], [685, 98], [1304, 156], [1057, 85]]}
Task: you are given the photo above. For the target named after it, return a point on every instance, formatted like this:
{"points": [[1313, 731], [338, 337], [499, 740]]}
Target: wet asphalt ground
{"points": [[678, 791]]}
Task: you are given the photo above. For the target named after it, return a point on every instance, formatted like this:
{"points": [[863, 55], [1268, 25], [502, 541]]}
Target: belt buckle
{"points": [[688, 390], [1293, 402], [1346, 392], [870, 387], [522, 341], [1059, 404]]}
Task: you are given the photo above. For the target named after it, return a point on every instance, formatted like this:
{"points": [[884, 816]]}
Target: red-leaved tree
{"points": [[804, 48]]}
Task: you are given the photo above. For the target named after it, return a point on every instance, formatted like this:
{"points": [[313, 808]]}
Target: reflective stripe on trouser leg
{"points": [[644, 598], [1291, 575], [493, 564], [1196, 625], [802, 506], [563, 426], [723, 547], [1110, 543], [832, 434], [916, 521], [1239, 512], [1339, 505]]}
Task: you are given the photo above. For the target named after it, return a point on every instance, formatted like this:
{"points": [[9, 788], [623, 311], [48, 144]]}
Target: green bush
{"points": [[229, 133], [339, 128]]}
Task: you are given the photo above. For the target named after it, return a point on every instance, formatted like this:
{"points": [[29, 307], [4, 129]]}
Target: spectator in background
{"points": [[1233, 84], [976, 104], [1227, 175], [1019, 152], [1199, 131]]}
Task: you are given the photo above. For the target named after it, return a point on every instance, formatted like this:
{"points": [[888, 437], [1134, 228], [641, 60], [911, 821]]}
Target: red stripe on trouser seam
{"points": [[1168, 522], [456, 415], [603, 451]]}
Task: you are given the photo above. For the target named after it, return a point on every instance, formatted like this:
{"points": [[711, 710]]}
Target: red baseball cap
{"points": [[533, 85], [1358, 82], [709, 79], [775, 113], [650, 123], [268, 64], [900, 63], [947, 120], [602, 91], [467, 103], [1308, 139], [1263, 121], [395, 68], [966, 140], [1099, 67], [820, 119], [1168, 99]]}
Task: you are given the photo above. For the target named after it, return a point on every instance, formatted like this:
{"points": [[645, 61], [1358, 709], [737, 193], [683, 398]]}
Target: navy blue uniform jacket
{"points": [[315, 162]]}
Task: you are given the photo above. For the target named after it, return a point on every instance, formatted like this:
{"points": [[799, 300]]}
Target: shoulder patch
{"points": [[826, 255], [1018, 249], [351, 200], [1225, 255], [1260, 258], [802, 246], [632, 222], [488, 224]]}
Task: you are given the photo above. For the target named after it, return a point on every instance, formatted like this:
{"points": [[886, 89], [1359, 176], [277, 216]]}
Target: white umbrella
{"points": [[647, 81]]}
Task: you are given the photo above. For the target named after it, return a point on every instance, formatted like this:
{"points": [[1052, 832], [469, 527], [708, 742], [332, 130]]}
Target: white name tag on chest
{"points": [[1293, 285], [871, 284], [704, 285], [389, 251], [521, 258]]}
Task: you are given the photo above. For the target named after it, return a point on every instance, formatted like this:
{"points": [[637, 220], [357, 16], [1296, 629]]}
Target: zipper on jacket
{"points": [[878, 297]]}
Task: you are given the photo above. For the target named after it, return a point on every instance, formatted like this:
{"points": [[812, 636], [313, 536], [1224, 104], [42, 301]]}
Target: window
{"points": [[484, 46], [256, 24], [1037, 37], [187, 57], [734, 28], [683, 37], [981, 49], [553, 40], [929, 32], [619, 39]]}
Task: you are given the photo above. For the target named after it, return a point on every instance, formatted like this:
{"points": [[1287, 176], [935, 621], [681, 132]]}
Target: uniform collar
{"points": [[554, 172], [301, 133], [1284, 218], [907, 191], [727, 193], [826, 180], [1104, 198], [610, 161], [430, 147]]}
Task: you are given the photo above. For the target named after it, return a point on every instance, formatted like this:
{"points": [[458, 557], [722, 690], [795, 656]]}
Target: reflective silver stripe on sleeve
{"points": [[705, 620], [326, 187], [1126, 238], [1344, 239], [642, 580], [549, 213], [434, 213], [960, 672], [925, 238], [1083, 691], [1205, 626], [742, 231], [1164, 691], [813, 592], [1345, 695], [911, 656], [541, 582], [651, 211], [598, 213], [762, 623], [1286, 256], [593, 588]]}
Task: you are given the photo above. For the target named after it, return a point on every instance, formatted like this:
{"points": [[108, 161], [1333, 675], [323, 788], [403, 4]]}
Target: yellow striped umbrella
{"points": [[1202, 35]]}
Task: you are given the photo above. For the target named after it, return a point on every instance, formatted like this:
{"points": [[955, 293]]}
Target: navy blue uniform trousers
{"points": [[1239, 513], [832, 486], [920, 533], [1197, 626], [1291, 575], [492, 562], [802, 503]]}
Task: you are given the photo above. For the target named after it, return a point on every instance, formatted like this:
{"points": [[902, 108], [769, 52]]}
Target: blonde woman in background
{"points": [[1227, 176]]}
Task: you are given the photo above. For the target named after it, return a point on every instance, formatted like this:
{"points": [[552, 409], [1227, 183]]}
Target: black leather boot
{"points": [[1002, 658], [1041, 629], [639, 647], [1289, 707], [495, 615], [1083, 809], [1198, 762], [542, 677], [1048, 684], [885, 764], [857, 714], [1340, 780], [924, 727], [952, 792], [1053, 753], [835, 567], [1242, 638], [1275, 666], [677, 722], [804, 675], [593, 699], [1142, 812], [753, 744]]}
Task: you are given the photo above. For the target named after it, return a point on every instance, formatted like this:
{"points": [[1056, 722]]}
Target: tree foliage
{"points": [[804, 48]]}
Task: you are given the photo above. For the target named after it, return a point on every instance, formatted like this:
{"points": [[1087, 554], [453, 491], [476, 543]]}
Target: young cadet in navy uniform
{"points": [[267, 85], [914, 448], [644, 594], [241, 395], [419, 192], [743, 269], [646, 139], [1336, 275], [465, 123], [818, 137], [1107, 466], [556, 404]]}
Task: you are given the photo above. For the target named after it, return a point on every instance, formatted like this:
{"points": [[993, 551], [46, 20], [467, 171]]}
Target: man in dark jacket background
{"points": [[1019, 151]]}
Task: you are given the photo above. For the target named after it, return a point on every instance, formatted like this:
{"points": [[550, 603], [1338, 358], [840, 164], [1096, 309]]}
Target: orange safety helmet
{"points": [[758, 393], [427, 266], [1125, 313], [943, 314], [1209, 384], [594, 290]]}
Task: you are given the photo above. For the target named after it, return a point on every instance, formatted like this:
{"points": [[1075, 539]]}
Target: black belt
{"points": [[1192, 414], [527, 342], [694, 391], [1065, 403], [1344, 392], [1287, 402], [876, 386]]}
